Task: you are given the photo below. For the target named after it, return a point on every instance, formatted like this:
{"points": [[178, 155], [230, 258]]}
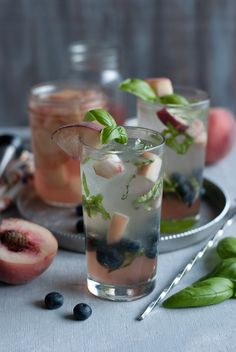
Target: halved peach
{"points": [[26, 250]]}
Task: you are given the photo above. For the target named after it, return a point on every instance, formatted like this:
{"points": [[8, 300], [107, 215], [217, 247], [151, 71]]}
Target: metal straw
{"points": [[189, 266]]}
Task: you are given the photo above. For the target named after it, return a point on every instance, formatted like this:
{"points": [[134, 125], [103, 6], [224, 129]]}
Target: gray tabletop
{"points": [[25, 326]]}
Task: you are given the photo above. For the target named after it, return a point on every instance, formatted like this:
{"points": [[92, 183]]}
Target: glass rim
{"points": [[40, 92], [203, 98], [160, 145]]}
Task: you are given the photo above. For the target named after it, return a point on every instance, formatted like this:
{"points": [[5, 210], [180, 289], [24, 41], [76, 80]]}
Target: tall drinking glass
{"points": [[185, 130], [122, 192]]}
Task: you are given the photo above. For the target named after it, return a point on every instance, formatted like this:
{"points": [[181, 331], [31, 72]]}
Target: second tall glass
{"points": [[185, 130]]}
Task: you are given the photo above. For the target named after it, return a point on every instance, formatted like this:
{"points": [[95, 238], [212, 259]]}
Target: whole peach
{"points": [[221, 134]]}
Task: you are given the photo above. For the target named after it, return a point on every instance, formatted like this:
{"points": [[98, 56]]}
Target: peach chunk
{"points": [[161, 86], [117, 227]]}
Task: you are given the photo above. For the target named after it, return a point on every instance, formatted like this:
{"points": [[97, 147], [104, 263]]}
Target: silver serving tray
{"points": [[214, 208]]}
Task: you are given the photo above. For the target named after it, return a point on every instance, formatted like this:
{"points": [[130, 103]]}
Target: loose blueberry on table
{"points": [[53, 300], [82, 311]]}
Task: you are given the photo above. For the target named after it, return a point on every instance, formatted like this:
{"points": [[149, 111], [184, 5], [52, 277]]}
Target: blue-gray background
{"points": [[191, 41]]}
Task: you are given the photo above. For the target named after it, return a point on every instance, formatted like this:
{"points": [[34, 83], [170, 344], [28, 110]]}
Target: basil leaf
{"points": [[226, 269], [125, 194], [85, 185], [174, 99], [151, 195], [142, 161], [101, 116], [93, 205], [226, 248], [203, 293], [139, 88], [171, 134], [169, 185], [117, 133]]}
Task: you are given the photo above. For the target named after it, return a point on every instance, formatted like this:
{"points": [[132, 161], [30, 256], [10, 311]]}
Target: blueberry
{"points": [[93, 243], [110, 257], [53, 300], [82, 311], [151, 246], [130, 246], [178, 178], [186, 192], [80, 225], [151, 252], [151, 238], [79, 210]]}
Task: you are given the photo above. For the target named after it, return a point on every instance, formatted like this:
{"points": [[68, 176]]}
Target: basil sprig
{"points": [[203, 293], [173, 99], [139, 88], [227, 248], [92, 204], [171, 135], [151, 195], [111, 131], [217, 286]]}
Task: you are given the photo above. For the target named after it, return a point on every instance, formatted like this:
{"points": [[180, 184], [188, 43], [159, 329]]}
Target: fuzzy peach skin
{"points": [[17, 267], [221, 134]]}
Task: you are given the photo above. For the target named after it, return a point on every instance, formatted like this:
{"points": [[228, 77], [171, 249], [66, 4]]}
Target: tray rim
{"points": [[68, 241]]}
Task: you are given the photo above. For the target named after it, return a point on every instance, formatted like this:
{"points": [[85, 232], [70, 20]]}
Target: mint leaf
{"points": [[117, 133], [125, 194], [139, 88], [85, 185], [101, 116], [142, 161], [174, 99], [93, 204], [171, 134], [151, 195], [169, 185], [111, 131]]}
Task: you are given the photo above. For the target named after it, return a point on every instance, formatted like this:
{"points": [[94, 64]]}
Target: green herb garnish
{"points": [[92, 204], [151, 195], [172, 135], [111, 131], [143, 162], [217, 286], [85, 185], [125, 194], [101, 116], [203, 293], [139, 88], [173, 99], [169, 186], [226, 248]]}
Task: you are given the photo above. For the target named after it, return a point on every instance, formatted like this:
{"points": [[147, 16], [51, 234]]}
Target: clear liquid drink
{"points": [[121, 198], [123, 229], [185, 130]]}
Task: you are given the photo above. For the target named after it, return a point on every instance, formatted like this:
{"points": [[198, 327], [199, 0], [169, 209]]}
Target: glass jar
{"points": [[92, 63], [51, 105]]}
